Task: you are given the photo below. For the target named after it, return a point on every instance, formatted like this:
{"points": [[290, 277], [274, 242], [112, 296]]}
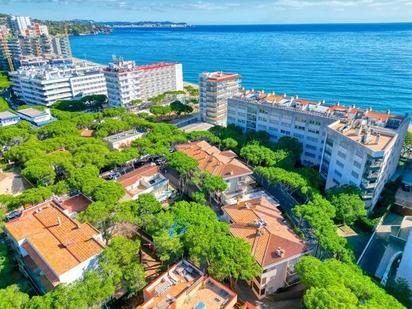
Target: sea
{"points": [[367, 65]]}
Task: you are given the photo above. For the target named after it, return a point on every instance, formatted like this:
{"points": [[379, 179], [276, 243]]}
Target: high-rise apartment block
{"points": [[19, 24], [127, 81], [70, 79], [215, 89], [351, 146]]}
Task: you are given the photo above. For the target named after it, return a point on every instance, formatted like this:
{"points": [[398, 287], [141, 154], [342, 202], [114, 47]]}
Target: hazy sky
{"points": [[216, 11]]}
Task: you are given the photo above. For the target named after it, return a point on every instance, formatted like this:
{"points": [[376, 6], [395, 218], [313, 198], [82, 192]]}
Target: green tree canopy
{"points": [[348, 203], [333, 284]]}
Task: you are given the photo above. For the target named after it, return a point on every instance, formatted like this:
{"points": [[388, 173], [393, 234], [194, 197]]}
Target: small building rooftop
{"points": [[123, 135], [185, 286], [221, 76], [261, 224], [134, 177], [54, 241], [31, 112], [214, 161], [7, 115]]}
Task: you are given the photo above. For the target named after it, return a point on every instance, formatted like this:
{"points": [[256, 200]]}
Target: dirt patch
{"points": [[12, 183]]}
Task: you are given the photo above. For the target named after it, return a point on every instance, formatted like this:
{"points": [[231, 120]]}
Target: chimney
{"points": [[284, 95], [378, 137], [59, 221], [388, 112], [280, 252], [77, 224]]}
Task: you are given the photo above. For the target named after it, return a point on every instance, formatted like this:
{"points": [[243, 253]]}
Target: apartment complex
{"points": [[350, 145], [127, 81], [186, 286], [19, 24], [47, 84], [29, 40], [145, 179], [219, 163], [274, 245], [363, 150], [215, 89], [51, 247]]}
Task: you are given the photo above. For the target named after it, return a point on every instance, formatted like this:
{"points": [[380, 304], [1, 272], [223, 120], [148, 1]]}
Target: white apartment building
{"points": [[363, 150], [215, 89], [45, 85], [362, 146], [279, 116], [127, 81], [19, 24]]}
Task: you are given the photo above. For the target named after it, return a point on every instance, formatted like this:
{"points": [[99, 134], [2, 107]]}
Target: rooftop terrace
{"points": [[321, 108], [123, 135], [372, 138], [184, 286]]}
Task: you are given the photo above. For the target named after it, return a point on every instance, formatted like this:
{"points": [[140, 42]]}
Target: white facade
{"points": [[342, 156], [215, 89], [35, 116], [123, 139], [8, 118], [127, 81], [19, 24], [45, 85], [360, 154], [282, 119]]}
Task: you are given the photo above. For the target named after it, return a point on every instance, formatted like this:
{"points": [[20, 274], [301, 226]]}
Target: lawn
{"points": [[4, 81]]}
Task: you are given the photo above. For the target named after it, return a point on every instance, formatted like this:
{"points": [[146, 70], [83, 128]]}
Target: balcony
{"points": [[368, 185]]}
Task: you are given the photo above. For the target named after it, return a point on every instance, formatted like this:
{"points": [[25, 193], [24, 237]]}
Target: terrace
{"points": [[184, 286]]}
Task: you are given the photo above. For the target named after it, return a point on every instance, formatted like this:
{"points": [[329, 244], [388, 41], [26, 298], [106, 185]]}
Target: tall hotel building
{"points": [[127, 81], [215, 89], [46, 84], [349, 145]]}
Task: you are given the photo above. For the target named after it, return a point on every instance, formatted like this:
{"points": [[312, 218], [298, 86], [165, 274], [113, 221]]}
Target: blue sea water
{"points": [[369, 65]]}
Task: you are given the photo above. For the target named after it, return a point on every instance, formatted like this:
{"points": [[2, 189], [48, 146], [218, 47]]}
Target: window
{"points": [[355, 175], [310, 155], [300, 128], [357, 164], [340, 164], [342, 155], [311, 147], [312, 139], [313, 131], [337, 173], [285, 132], [298, 136]]}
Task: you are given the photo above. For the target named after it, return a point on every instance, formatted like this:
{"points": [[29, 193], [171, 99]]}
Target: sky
{"points": [[216, 11]]}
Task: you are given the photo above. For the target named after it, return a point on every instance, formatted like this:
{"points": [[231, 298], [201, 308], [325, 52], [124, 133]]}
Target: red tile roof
{"points": [[266, 240], [134, 176], [76, 204], [59, 241], [214, 161]]}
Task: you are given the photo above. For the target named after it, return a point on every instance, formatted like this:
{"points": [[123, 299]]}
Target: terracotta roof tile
{"points": [[134, 176], [267, 239], [60, 242], [214, 161]]}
